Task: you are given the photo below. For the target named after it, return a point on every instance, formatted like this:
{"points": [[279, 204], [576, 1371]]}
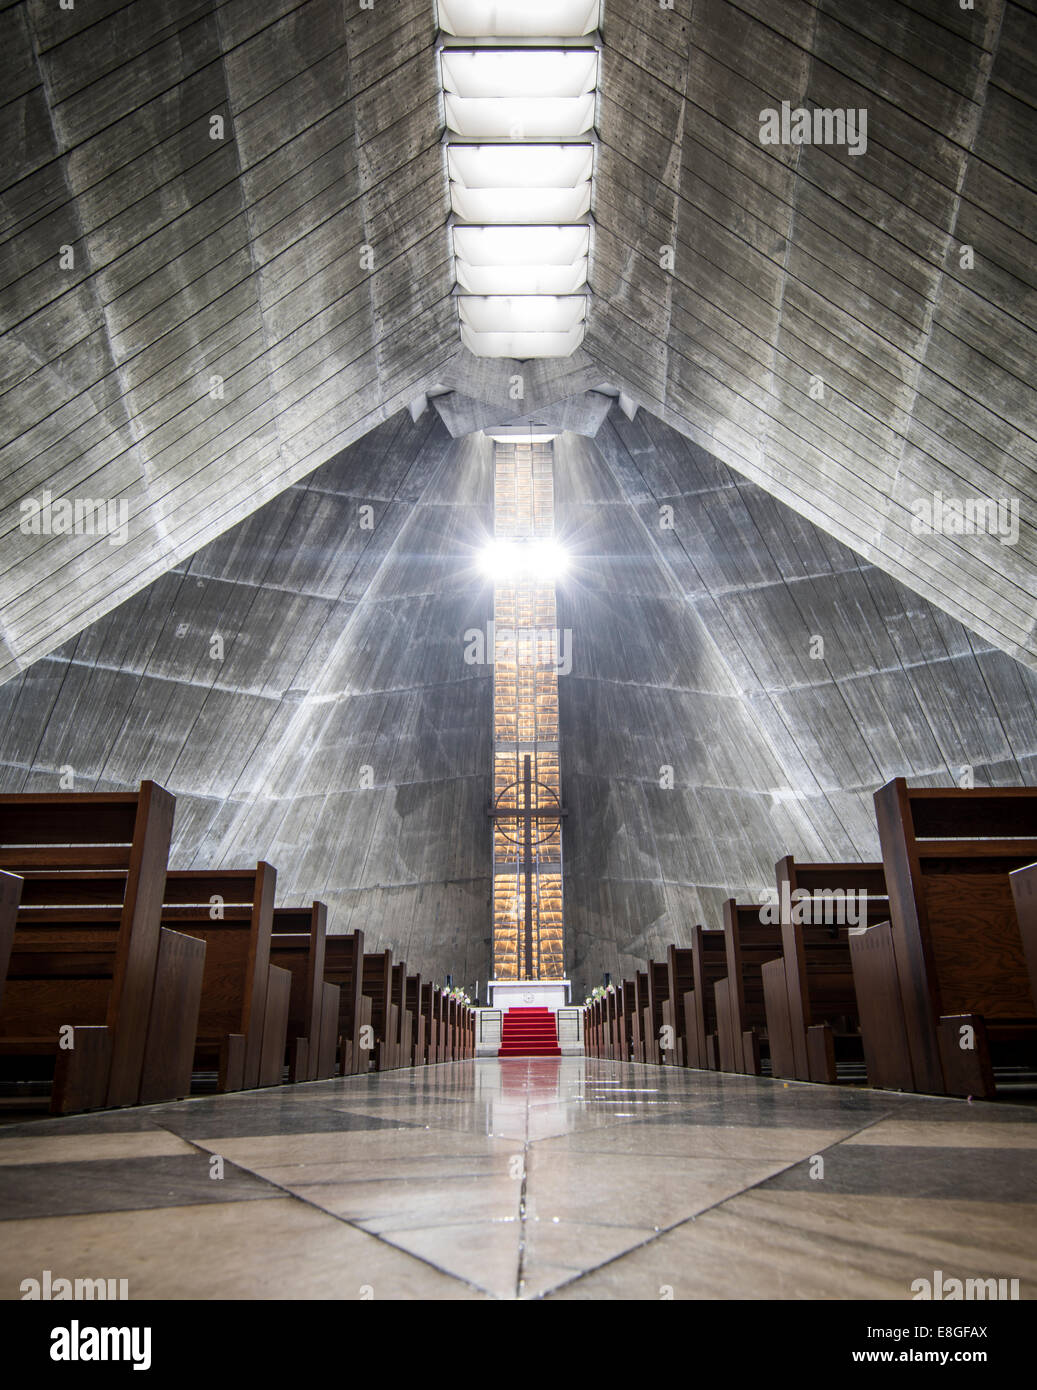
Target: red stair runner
{"points": [[529, 1033]]}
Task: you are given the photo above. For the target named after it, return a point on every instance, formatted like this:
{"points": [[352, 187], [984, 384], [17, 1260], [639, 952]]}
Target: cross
{"points": [[526, 815]]}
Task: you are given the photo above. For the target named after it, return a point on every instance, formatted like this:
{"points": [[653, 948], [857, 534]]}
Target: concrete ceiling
{"points": [[803, 261], [243, 258]]}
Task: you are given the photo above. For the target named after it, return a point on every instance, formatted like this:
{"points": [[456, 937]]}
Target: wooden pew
{"points": [[740, 1005], [626, 1015], [680, 981], [66, 945], [593, 1027], [10, 896], [637, 1017], [449, 1027], [377, 986], [709, 966], [299, 945], [110, 1012], [810, 992], [418, 1051], [344, 967], [1024, 892], [428, 1018], [404, 1020], [657, 1011], [243, 1021], [958, 951]]}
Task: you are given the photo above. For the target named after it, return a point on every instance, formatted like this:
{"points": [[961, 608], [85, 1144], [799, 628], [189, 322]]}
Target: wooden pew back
{"points": [[818, 972], [105, 830], [377, 984], [947, 854], [344, 966], [298, 946], [232, 910]]}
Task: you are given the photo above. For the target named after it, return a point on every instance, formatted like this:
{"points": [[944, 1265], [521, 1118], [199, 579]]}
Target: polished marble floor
{"points": [[559, 1178]]}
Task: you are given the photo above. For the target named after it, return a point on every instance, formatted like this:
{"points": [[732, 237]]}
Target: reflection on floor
{"points": [[566, 1178]]}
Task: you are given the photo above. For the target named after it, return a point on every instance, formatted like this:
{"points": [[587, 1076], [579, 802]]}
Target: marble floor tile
{"points": [[121, 1184], [260, 1152], [919, 1171], [558, 1251], [284, 1249], [67, 1148], [783, 1245], [646, 1190], [702, 1141], [485, 1255], [943, 1134]]}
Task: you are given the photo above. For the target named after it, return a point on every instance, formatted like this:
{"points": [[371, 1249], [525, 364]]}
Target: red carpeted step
{"points": [[529, 1033]]}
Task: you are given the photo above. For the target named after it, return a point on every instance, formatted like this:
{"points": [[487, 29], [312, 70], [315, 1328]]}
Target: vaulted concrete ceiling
{"points": [[304, 259], [806, 261]]}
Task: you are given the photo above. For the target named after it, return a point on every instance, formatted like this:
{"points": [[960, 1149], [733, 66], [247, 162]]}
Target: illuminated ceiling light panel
{"points": [[530, 19], [520, 118], [520, 166], [523, 313], [521, 245], [521, 279], [514, 206], [509, 436], [521, 346], [520, 72]]}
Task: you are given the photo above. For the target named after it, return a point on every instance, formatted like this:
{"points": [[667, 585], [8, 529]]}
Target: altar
{"points": [[529, 994]]}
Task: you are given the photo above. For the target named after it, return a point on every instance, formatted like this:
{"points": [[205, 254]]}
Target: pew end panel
{"points": [[275, 1026], [230, 1072], [1024, 895], [173, 1026], [10, 896], [965, 1056], [887, 1055], [81, 1072], [821, 1053], [779, 1025], [327, 1050]]}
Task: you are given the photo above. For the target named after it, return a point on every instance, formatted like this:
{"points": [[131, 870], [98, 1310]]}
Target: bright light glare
{"points": [[512, 562]]}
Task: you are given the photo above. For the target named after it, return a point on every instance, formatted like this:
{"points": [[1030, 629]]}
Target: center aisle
{"points": [[565, 1177]]}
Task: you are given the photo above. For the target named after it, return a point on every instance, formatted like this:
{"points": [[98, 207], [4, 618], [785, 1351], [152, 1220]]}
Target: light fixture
{"points": [[520, 166], [530, 561], [518, 18], [520, 81], [534, 73]]}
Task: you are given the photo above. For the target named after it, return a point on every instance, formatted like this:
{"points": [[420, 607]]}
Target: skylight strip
{"points": [[519, 18], [520, 108]]}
